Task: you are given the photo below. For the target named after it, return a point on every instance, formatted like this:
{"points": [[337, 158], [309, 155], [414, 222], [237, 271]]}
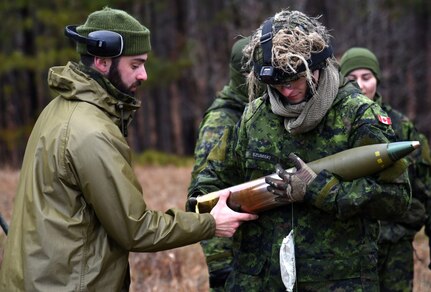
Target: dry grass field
{"points": [[181, 269]]}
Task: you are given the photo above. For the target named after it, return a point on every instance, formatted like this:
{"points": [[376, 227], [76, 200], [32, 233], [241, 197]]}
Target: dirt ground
{"points": [[181, 269]]}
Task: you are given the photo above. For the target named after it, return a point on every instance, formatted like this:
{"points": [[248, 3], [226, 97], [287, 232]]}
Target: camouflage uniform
{"points": [[336, 226], [395, 240], [219, 118]]}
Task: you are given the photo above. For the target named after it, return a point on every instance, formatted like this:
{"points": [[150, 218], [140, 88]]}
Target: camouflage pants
{"points": [[396, 266], [218, 254], [359, 285], [240, 282]]}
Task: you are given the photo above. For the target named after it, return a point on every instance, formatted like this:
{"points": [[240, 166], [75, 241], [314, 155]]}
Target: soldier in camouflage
{"points": [[219, 118], [307, 109], [396, 237]]}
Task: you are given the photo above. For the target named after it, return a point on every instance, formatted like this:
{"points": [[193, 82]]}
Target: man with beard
{"points": [[79, 208]]}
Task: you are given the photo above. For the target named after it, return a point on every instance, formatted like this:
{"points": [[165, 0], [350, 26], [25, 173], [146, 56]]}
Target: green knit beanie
{"points": [[136, 37], [359, 58]]}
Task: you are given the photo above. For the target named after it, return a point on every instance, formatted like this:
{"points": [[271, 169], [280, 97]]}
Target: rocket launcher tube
{"points": [[253, 196]]}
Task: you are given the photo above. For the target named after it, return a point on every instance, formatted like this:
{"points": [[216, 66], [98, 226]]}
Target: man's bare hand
{"points": [[227, 220]]}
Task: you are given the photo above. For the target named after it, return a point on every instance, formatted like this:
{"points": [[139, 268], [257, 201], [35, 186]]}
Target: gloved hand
{"points": [[293, 184]]}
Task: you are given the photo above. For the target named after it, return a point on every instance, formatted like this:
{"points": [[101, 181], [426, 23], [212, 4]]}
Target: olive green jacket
{"points": [[79, 208]]}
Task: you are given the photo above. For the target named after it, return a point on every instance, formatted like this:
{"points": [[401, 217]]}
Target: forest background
{"points": [[191, 42]]}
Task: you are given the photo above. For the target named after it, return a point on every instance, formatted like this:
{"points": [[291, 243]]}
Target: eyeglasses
{"points": [[287, 82]]}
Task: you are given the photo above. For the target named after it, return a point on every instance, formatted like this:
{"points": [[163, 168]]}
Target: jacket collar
{"points": [[78, 82]]}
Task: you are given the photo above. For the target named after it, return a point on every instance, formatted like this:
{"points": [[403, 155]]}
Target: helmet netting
{"points": [[296, 37]]}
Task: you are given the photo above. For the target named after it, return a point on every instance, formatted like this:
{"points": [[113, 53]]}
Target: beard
{"points": [[114, 77]]}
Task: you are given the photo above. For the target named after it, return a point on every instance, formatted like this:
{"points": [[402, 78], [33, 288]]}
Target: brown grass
{"points": [[181, 269]]}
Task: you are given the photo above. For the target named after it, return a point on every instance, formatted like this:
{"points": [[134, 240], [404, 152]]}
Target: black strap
{"points": [[316, 60], [70, 31], [266, 42]]}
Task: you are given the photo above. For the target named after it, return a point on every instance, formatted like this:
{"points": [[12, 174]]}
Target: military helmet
{"points": [[287, 44]]}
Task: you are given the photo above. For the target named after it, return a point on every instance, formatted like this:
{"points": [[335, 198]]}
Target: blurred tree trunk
{"points": [[191, 42], [423, 116]]}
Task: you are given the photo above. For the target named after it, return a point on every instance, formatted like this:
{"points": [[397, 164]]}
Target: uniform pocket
{"points": [[250, 255], [315, 270]]}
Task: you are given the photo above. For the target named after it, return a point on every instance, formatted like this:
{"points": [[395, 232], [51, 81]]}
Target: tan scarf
{"points": [[305, 116]]}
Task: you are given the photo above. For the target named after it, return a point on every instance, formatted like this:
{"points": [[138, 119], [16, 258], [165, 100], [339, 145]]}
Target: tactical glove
{"points": [[293, 183]]}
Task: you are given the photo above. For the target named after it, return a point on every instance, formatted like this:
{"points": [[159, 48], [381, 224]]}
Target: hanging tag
{"points": [[287, 262]]}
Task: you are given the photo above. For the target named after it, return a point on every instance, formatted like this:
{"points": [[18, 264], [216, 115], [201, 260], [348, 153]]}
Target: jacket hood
{"points": [[238, 83], [70, 82]]}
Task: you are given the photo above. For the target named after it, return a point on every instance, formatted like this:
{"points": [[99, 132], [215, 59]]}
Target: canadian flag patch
{"points": [[384, 120]]}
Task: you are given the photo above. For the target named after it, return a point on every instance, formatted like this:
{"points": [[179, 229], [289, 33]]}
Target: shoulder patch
{"points": [[384, 120]]}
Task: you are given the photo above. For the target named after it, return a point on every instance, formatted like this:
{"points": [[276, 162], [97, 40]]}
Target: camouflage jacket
{"points": [[336, 226], [218, 119], [420, 180]]}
